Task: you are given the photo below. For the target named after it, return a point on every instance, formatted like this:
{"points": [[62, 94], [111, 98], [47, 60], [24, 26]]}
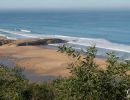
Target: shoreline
{"points": [[102, 44], [39, 62]]}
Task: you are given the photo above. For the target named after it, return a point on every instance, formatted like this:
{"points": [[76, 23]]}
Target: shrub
{"points": [[88, 82], [14, 86]]}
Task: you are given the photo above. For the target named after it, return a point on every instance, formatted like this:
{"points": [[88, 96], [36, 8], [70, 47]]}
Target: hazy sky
{"points": [[64, 4]]}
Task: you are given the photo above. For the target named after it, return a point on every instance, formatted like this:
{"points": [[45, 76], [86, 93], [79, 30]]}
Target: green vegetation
{"points": [[87, 81], [13, 86]]}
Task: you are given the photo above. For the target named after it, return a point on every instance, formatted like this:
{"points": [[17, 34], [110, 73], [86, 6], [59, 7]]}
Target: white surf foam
{"points": [[8, 37], [20, 33], [100, 43], [22, 30], [3, 35], [27, 31]]}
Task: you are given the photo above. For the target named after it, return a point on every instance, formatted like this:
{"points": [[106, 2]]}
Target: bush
{"points": [[13, 86], [88, 82], [42, 91]]}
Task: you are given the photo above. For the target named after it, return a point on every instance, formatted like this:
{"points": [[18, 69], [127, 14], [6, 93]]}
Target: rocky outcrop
{"points": [[4, 41], [35, 42], [30, 42]]}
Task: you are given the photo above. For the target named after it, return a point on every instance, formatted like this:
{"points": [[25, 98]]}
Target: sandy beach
{"points": [[40, 60]]}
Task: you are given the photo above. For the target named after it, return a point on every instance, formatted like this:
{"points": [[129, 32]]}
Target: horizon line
{"points": [[40, 10]]}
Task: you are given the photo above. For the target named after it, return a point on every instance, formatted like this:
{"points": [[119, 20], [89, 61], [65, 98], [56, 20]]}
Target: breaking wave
{"points": [[23, 30], [100, 43]]}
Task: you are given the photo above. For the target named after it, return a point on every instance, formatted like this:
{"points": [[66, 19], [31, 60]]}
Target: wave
{"points": [[100, 43], [2, 35], [8, 37], [20, 33], [23, 30]]}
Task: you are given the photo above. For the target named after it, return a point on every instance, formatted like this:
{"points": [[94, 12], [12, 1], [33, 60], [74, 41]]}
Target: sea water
{"points": [[108, 30]]}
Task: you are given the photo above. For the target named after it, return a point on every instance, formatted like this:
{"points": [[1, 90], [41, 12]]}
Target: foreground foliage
{"points": [[87, 82], [13, 86]]}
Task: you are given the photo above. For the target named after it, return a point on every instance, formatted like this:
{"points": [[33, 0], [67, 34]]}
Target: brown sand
{"points": [[40, 60]]}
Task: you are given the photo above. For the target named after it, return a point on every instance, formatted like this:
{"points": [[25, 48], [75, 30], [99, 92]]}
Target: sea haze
{"points": [[106, 29]]}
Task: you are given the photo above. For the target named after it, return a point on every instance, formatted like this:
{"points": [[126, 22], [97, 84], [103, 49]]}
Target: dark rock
{"points": [[4, 41], [41, 42]]}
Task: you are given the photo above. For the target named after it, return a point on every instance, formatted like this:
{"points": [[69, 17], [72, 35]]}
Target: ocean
{"points": [[108, 30]]}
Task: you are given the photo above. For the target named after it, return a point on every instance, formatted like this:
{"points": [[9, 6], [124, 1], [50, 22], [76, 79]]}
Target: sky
{"points": [[63, 4]]}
